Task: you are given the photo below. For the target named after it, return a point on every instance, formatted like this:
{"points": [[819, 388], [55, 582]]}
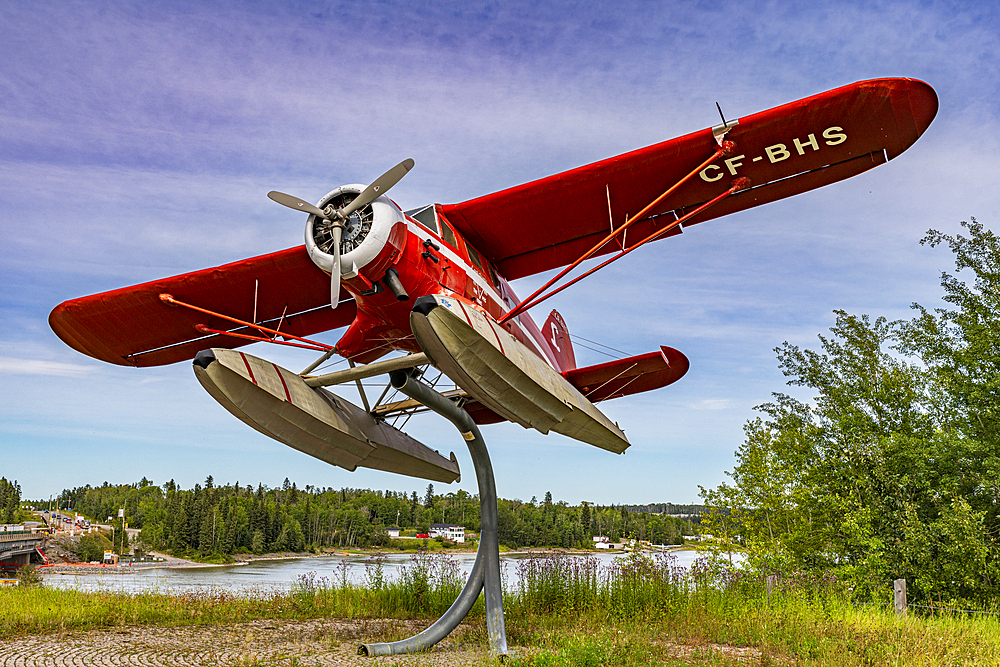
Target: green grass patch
{"points": [[570, 611]]}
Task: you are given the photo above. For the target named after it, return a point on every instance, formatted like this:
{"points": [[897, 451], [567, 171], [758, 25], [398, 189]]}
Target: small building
{"points": [[449, 531], [393, 531], [110, 558]]}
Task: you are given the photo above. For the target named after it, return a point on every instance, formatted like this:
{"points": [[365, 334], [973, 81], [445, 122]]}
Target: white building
{"points": [[393, 531], [448, 531]]}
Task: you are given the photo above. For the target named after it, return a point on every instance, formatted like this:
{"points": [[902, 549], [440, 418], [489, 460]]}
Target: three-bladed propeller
{"points": [[338, 217]]}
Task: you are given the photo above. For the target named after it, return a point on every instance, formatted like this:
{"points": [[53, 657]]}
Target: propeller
{"points": [[338, 217]]}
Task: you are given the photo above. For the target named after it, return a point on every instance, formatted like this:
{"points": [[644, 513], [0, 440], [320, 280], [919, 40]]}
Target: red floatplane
{"points": [[432, 282]]}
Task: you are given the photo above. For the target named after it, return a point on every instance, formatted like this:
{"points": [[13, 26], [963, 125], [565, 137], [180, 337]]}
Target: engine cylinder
{"points": [[364, 237]]}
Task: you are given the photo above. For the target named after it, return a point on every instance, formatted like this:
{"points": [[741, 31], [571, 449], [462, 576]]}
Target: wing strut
{"points": [[533, 300], [274, 333], [725, 148]]}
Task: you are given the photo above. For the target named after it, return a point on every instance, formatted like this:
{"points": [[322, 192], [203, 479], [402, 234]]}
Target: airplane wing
{"points": [[133, 327], [634, 375], [787, 150]]}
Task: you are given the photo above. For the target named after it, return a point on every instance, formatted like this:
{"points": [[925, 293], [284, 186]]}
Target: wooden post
{"points": [[899, 591], [772, 582]]}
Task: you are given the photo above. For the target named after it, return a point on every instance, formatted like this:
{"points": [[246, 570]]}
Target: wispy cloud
{"points": [[14, 366], [711, 404]]}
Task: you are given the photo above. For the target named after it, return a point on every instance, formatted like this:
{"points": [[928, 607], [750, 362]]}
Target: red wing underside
{"points": [[132, 327], [548, 223], [633, 375]]}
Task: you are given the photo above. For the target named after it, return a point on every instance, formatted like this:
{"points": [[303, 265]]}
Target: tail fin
{"points": [[556, 334]]}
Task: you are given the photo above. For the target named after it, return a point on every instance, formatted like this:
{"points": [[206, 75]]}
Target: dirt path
{"points": [[267, 643], [305, 643]]}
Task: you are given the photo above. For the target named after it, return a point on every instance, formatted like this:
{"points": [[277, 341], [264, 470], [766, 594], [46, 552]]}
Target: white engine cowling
{"points": [[364, 237]]}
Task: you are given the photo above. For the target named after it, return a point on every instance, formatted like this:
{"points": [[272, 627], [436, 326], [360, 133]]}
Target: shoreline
{"points": [[173, 563]]}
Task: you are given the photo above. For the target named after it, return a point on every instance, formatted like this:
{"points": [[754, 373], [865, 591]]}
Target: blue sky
{"points": [[138, 140]]}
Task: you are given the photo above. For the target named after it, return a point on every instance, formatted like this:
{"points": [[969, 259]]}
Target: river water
{"points": [[267, 576]]}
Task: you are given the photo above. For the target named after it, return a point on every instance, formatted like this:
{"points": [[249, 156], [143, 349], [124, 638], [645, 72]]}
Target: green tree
{"points": [[893, 469], [92, 547], [10, 500]]}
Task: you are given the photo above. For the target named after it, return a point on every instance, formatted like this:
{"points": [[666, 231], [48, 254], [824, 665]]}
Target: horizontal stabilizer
{"points": [[633, 375]]}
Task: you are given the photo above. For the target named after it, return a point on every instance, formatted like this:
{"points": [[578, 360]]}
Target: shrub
{"points": [[28, 577]]}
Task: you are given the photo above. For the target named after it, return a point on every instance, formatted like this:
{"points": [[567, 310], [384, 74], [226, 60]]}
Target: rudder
{"points": [[556, 334]]}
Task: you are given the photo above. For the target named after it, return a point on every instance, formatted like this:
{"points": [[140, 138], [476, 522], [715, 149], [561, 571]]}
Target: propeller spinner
{"points": [[338, 217]]}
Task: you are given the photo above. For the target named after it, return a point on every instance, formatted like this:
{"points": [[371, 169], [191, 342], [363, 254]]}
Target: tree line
{"points": [[211, 520], [893, 469], [10, 500]]}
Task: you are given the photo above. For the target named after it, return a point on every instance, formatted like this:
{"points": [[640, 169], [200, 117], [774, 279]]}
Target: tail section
{"points": [[556, 334]]}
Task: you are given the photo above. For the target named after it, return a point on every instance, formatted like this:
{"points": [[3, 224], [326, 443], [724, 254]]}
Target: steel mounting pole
{"points": [[485, 575]]}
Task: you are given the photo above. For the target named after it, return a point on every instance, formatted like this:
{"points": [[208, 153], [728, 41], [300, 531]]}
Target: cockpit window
{"points": [[496, 281], [448, 235], [425, 216], [474, 256]]}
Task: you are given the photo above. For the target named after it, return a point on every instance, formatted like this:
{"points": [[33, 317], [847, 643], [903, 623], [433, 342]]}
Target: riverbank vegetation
{"points": [[10, 502], [568, 610], [893, 469], [211, 521]]}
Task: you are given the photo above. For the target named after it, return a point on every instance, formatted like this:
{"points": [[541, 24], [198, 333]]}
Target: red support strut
{"points": [[738, 184], [311, 344], [725, 148]]}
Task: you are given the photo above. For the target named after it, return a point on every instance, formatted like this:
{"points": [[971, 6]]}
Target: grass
{"points": [[570, 611], [782, 636]]}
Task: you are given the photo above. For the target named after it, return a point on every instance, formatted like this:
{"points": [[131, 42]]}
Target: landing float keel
{"points": [[280, 404], [504, 375]]}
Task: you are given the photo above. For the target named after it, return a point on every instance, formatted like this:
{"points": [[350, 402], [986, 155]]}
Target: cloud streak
{"points": [[14, 366]]}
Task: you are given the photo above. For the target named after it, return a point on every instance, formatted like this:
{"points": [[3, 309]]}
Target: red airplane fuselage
{"points": [[431, 258]]}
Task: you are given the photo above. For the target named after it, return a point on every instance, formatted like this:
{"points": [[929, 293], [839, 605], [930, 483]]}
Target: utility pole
{"points": [[121, 515]]}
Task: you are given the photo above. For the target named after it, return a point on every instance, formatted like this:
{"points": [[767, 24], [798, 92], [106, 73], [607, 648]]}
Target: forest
{"points": [[10, 501], [892, 470], [211, 520]]}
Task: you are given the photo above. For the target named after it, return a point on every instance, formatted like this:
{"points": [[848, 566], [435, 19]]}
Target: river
{"points": [[264, 576]]}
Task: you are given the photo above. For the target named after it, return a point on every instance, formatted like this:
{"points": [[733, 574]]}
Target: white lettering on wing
{"points": [[832, 136]]}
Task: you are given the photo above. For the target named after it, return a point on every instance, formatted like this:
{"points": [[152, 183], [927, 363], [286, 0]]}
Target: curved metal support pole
{"points": [[485, 573], [442, 627]]}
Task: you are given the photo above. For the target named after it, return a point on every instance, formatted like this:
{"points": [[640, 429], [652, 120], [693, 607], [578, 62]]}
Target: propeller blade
{"points": [[378, 187], [335, 268], [295, 203]]}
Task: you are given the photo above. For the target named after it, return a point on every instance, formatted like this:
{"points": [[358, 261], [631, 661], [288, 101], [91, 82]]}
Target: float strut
{"points": [[485, 575]]}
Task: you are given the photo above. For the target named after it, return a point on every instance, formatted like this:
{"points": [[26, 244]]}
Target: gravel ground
{"points": [[305, 643]]}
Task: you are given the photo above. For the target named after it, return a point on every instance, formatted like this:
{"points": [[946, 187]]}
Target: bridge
{"points": [[18, 546]]}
